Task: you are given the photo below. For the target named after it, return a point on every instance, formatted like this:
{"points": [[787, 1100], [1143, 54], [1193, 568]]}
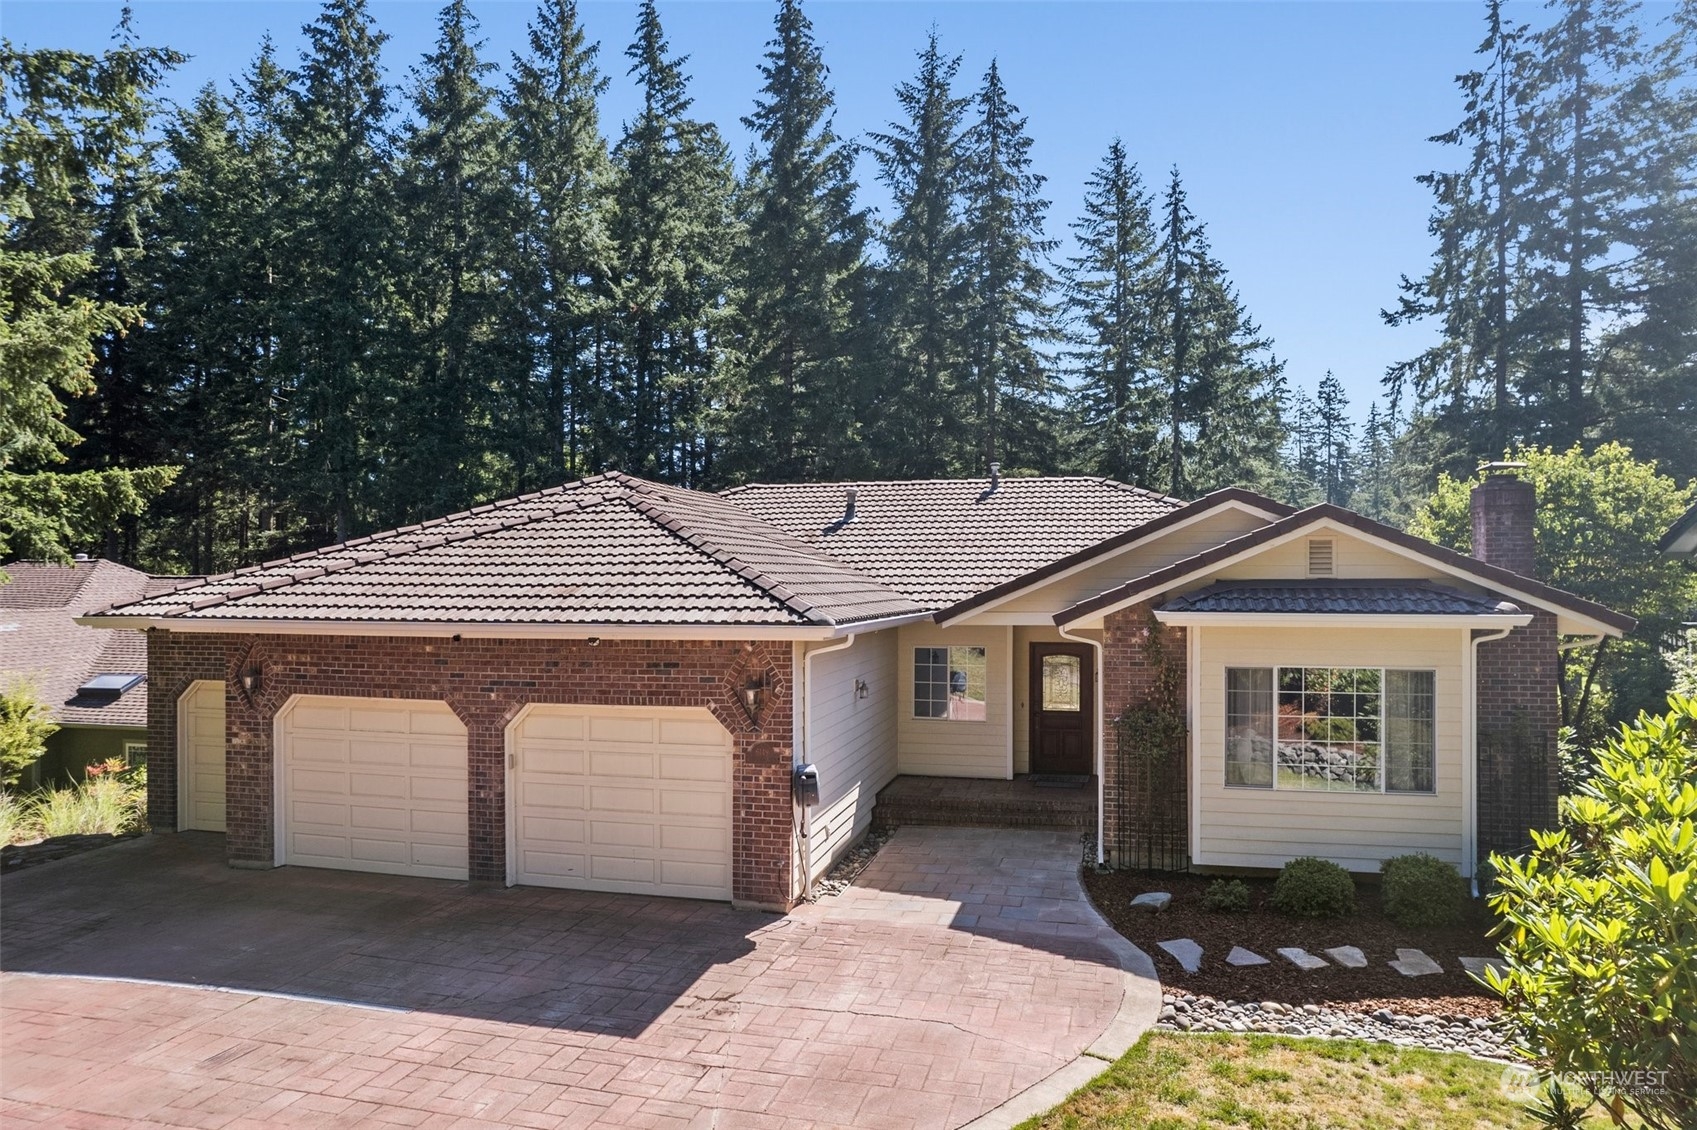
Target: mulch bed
{"points": [[1263, 930], [14, 857]]}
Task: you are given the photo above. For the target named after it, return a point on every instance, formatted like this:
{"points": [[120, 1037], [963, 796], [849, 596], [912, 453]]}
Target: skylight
{"points": [[109, 686]]}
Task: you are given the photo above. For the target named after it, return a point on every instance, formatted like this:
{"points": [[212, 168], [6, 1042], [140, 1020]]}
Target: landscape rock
{"points": [[1414, 963], [1241, 956], [1477, 965], [1468, 1035], [1152, 901], [1185, 951], [1301, 958], [1349, 957]]}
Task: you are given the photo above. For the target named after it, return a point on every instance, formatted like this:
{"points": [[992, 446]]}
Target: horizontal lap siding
{"points": [[854, 742], [939, 747], [1267, 827], [1352, 560]]}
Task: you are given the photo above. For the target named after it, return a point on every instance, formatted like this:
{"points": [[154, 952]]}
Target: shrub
{"points": [[1599, 927], [15, 823], [1226, 896], [1314, 888], [25, 726], [1422, 890], [108, 803]]}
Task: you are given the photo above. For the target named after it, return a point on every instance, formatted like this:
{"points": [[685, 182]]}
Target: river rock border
{"points": [[1479, 1038]]}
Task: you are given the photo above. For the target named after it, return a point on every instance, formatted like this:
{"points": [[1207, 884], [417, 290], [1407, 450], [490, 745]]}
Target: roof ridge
{"points": [[360, 559]]}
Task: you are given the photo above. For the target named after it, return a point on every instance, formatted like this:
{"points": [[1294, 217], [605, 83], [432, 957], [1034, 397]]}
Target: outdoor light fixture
{"points": [[861, 690], [753, 693], [250, 680]]}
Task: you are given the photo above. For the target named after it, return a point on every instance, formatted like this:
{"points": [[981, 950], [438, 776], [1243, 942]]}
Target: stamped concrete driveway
{"points": [[963, 976]]}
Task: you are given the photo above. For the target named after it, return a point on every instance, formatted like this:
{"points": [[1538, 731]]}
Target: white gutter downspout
{"points": [[1470, 743], [1101, 752], [807, 747], [1582, 641]]}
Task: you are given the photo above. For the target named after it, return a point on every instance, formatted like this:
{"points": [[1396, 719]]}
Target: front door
{"points": [[1063, 706]]}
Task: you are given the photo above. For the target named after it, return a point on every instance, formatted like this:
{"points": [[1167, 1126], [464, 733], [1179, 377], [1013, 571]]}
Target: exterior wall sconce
{"points": [[861, 690], [251, 679], [753, 694]]}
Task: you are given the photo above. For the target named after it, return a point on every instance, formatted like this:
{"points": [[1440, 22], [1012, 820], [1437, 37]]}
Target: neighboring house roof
{"points": [[1490, 576], [941, 541], [1390, 598], [1681, 538], [609, 550], [41, 641]]}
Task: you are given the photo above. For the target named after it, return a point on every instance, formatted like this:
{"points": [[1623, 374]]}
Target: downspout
{"points": [[1101, 708], [1470, 741], [805, 696]]}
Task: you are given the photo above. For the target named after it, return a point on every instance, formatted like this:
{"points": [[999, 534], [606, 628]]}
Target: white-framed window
{"points": [[1331, 729], [950, 683], [135, 753]]}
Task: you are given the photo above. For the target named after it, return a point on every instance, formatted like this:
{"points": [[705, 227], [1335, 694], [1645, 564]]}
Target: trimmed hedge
{"points": [[1314, 888], [1422, 890], [1227, 896]]}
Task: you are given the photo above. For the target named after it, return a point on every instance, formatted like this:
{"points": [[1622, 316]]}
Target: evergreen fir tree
{"points": [[792, 412], [1110, 296], [1375, 490], [456, 218], [1336, 446], [339, 313], [1009, 317], [922, 408], [562, 252]]}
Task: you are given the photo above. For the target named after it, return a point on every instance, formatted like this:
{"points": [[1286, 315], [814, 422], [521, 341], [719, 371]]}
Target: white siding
{"points": [[1266, 827], [854, 742], [942, 747], [1187, 541], [1353, 559]]}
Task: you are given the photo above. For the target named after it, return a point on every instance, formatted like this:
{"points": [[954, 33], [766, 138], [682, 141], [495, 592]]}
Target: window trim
{"points": [[913, 684], [1384, 788]]}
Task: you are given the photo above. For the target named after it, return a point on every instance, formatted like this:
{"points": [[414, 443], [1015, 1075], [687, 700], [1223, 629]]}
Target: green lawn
{"points": [[1174, 1081]]}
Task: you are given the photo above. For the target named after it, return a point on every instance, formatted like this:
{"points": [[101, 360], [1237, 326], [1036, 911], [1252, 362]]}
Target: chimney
{"points": [[1504, 507], [995, 475], [849, 496]]}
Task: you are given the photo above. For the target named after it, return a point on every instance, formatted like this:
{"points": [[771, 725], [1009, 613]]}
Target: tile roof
{"points": [[612, 549], [941, 541], [1333, 597], [41, 642]]}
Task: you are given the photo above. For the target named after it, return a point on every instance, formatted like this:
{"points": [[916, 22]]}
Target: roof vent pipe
{"points": [[995, 475], [849, 496]]}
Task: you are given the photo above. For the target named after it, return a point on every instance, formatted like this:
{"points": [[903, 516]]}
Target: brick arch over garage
{"points": [[486, 682]]}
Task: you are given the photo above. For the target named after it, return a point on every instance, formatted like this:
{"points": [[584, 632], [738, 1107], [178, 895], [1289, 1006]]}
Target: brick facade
{"points": [[1518, 715], [1129, 677], [486, 682]]}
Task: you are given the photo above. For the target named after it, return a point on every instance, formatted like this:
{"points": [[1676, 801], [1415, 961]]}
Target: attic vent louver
{"points": [[1320, 562]]}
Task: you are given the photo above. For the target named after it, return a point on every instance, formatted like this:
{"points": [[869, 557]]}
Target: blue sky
{"points": [[1298, 127]]}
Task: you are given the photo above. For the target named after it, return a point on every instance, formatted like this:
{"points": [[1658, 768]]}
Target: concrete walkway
{"points": [[959, 980]]}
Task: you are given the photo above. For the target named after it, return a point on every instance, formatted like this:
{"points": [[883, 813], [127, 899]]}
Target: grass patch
{"points": [[1174, 1081]]}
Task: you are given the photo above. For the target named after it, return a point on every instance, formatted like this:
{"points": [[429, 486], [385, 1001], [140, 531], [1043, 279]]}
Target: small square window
{"points": [[950, 683]]}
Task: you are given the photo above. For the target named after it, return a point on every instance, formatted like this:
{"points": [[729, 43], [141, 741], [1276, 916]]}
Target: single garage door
{"points": [[374, 785], [622, 799]]}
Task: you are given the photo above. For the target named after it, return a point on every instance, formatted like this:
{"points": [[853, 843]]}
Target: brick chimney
{"points": [[1504, 507]]}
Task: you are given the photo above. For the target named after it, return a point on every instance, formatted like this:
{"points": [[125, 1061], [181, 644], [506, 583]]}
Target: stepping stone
{"points": [[1152, 901], [1241, 956], [1186, 952], [1477, 965], [1348, 956], [1413, 963], [1301, 958]]}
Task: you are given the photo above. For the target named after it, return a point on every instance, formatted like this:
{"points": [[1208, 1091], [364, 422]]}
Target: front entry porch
{"points": [[1027, 801]]}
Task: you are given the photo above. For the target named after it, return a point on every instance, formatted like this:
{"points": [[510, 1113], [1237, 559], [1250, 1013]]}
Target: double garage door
{"points": [[600, 798]]}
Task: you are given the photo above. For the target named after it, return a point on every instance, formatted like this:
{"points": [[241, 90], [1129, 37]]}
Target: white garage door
{"points": [[621, 799], [200, 729], [374, 785]]}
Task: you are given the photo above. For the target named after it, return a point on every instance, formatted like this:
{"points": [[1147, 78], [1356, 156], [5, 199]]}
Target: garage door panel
{"points": [[200, 738], [396, 805], [639, 802]]}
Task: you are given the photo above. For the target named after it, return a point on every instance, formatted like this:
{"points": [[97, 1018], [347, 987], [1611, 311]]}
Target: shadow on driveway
{"points": [[167, 908]]}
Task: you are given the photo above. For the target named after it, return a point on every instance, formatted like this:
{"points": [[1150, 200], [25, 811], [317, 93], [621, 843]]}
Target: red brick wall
{"points": [[1128, 678], [1518, 715], [486, 682]]}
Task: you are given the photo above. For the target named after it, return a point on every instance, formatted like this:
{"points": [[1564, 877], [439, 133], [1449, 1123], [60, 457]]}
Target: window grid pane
{"points": [[1328, 729], [950, 682], [1249, 727], [1410, 738]]}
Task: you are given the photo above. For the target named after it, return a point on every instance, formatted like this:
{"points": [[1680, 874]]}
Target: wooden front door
{"points": [[1063, 708]]}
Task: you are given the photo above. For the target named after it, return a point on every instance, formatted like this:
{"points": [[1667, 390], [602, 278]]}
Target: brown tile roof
{"points": [[612, 549], [944, 540], [1486, 574], [41, 643], [1334, 597]]}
